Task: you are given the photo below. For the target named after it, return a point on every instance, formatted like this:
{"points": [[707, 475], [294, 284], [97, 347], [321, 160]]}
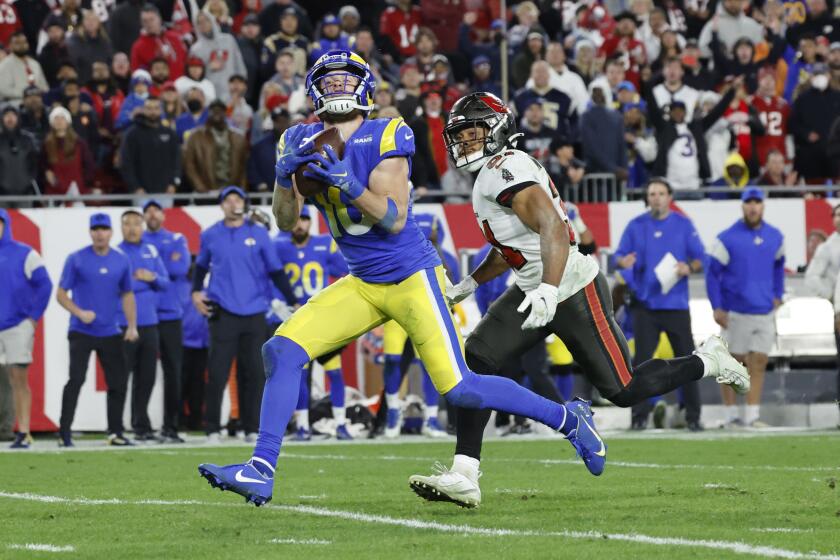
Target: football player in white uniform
{"points": [[558, 290]]}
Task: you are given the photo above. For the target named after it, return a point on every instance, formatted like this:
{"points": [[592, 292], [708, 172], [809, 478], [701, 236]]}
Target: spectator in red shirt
{"points": [[746, 127], [66, 161], [430, 159], [623, 40], [157, 42], [443, 18], [774, 112], [775, 176], [400, 24], [9, 21]]}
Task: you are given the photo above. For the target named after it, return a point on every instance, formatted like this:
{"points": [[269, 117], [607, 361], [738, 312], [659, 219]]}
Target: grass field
{"points": [[662, 496]]}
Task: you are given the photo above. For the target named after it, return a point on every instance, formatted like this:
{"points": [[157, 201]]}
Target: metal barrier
{"points": [[596, 187]]}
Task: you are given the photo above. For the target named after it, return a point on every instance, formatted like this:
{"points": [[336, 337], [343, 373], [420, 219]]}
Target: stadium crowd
{"points": [[706, 93]]}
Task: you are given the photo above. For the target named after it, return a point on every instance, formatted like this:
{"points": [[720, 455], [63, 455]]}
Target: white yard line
{"points": [[299, 541], [731, 546], [780, 530], [33, 547]]}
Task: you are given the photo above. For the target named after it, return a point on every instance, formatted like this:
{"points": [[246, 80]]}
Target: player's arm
{"points": [[493, 265], [533, 206], [286, 202], [386, 198], [286, 205]]}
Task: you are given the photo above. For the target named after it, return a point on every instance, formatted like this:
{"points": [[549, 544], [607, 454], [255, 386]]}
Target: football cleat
{"points": [[659, 411], [64, 439], [585, 438], [393, 424], [728, 370], [447, 486], [22, 441], [302, 434], [342, 433], [119, 440], [244, 479], [432, 428], [171, 437]]}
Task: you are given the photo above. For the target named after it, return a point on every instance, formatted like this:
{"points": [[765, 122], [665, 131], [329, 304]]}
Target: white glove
{"points": [[281, 309], [461, 290], [543, 303]]}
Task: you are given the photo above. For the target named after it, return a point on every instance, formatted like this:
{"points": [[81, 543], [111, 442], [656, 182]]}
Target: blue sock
{"points": [[336, 388], [430, 394], [284, 361], [565, 385], [505, 395], [303, 392], [391, 373]]}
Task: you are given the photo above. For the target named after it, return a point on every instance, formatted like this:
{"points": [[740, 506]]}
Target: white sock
{"points": [[466, 465], [431, 412], [339, 415], [302, 417], [708, 366], [392, 400], [752, 413], [732, 412]]}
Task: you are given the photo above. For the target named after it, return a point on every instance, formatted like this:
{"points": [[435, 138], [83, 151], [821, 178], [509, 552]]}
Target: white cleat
{"points": [[726, 370], [447, 486], [433, 429]]}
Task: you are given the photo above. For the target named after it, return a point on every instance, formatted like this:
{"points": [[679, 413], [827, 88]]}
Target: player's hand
{"points": [[683, 269], [334, 172], [144, 275], [86, 317], [295, 153], [722, 318], [131, 334], [281, 309], [460, 291], [543, 303], [200, 303], [627, 261]]}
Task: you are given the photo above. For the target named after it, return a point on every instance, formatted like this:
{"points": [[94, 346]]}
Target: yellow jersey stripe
{"points": [[389, 140]]}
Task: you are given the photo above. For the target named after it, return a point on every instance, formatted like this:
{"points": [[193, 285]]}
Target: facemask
{"points": [[194, 105], [820, 82]]}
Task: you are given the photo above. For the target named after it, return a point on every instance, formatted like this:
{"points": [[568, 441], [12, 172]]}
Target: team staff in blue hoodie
{"points": [[25, 290], [239, 255], [645, 242], [99, 278], [745, 282], [175, 255], [149, 279]]}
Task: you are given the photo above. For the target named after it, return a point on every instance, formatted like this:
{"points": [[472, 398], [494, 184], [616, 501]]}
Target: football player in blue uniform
{"points": [[395, 273], [309, 262]]}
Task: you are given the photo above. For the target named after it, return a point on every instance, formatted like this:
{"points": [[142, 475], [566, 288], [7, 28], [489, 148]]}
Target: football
{"points": [[310, 187]]}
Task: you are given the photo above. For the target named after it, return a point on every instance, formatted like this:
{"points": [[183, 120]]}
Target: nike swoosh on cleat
{"points": [[241, 478], [339, 174], [603, 450]]}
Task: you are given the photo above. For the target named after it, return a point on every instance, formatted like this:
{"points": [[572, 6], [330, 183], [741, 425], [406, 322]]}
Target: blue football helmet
{"points": [[349, 85]]}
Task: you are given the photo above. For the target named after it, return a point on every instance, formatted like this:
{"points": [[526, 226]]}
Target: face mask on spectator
{"points": [[820, 82], [194, 105]]}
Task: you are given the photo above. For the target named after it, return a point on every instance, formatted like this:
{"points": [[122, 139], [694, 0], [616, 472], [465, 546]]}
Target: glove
{"points": [[296, 152], [334, 172], [543, 303], [461, 290], [281, 309]]}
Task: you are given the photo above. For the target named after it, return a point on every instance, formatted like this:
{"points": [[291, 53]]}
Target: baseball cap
{"points": [[168, 85], [100, 220], [627, 85], [31, 90], [217, 103], [305, 213], [677, 104], [752, 193], [233, 189], [251, 19], [289, 12], [279, 111], [535, 35], [497, 24], [480, 59], [330, 19], [834, 46], [152, 202]]}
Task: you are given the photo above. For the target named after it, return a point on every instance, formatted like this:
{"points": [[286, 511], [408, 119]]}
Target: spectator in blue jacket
{"points": [[662, 247], [331, 38], [241, 256], [149, 279], [745, 282], [173, 251], [139, 86], [99, 278], [263, 154], [25, 290]]}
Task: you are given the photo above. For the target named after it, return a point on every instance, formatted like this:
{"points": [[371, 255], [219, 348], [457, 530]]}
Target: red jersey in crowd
{"points": [[774, 113], [9, 21], [401, 27], [633, 47], [738, 115], [444, 17], [167, 45]]}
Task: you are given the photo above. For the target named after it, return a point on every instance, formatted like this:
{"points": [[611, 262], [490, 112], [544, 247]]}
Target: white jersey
{"points": [[498, 181]]}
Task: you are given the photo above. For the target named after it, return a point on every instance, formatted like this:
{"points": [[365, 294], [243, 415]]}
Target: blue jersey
{"points": [[746, 269], [97, 283], [146, 294], [652, 239], [309, 267], [373, 254], [175, 255], [490, 291]]}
